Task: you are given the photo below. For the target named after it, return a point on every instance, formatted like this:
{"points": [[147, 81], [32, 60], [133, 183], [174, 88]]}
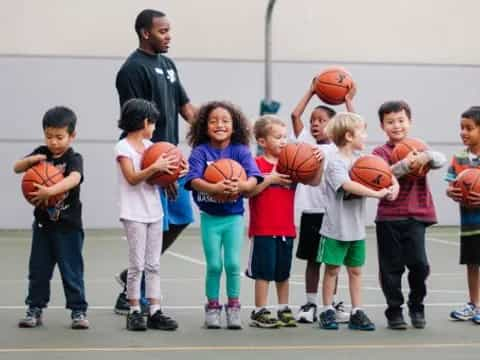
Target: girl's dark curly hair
{"points": [[198, 131]]}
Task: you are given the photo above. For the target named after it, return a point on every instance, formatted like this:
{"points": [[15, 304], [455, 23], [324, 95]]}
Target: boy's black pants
{"points": [[401, 244]]}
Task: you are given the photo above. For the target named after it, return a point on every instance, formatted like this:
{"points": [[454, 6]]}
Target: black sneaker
{"points": [[136, 322], [286, 318], [263, 319], [79, 320], [160, 321], [122, 279], [33, 318], [328, 320], [122, 307], [397, 322], [360, 321], [418, 319]]}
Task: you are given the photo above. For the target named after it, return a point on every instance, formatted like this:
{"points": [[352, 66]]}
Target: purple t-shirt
{"points": [[203, 155]]}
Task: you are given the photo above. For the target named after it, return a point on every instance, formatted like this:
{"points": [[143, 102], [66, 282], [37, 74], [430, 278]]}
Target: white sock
{"points": [[312, 298], [354, 310], [258, 308], [282, 307], [154, 308], [328, 307], [134, 308]]}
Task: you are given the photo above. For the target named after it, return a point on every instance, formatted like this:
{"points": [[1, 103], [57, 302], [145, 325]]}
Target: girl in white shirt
{"points": [[141, 212]]}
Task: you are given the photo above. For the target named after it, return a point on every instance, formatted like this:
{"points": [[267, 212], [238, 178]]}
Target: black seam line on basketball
{"points": [[332, 84], [372, 168], [220, 171], [362, 181], [39, 175], [304, 161], [295, 157]]}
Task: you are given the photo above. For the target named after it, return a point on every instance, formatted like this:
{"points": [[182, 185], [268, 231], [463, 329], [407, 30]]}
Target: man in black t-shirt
{"points": [[148, 74]]}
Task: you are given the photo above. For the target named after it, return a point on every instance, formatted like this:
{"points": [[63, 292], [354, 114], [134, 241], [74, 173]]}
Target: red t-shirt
{"points": [[272, 210]]}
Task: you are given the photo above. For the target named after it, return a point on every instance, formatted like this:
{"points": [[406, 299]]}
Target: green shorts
{"points": [[336, 252]]}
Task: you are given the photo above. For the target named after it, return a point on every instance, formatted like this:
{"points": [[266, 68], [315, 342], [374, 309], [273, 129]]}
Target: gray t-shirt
{"points": [[344, 218]]}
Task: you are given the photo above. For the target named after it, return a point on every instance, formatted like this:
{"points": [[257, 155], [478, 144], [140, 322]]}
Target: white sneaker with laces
{"points": [[341, 315], [307, 314], [234, 320], [212, 317]]}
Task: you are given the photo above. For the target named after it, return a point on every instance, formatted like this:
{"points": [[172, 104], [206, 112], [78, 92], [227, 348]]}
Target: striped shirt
{"points": [[469, 217], [414, 199]]}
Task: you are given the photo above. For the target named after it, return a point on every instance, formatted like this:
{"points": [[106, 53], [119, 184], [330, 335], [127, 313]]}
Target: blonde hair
{"points": [[263, 125], [341, 124]]}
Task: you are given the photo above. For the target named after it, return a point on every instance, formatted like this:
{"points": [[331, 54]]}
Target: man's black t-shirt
{"points": [[67, 213], [154, 78]]}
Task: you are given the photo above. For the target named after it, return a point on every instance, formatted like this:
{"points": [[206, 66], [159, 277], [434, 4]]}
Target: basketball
{"points": [[468, 180], [153, 153], [404, 147], [224, 169], [332, 84], [371, 171], [44, 174], [298, 161]]}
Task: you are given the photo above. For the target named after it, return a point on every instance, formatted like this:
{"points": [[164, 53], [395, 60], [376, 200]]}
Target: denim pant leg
{"points": [[40, 268], [68, 250]]}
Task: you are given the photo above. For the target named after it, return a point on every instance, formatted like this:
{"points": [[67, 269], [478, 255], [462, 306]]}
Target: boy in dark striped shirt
{"points": [[401, 224], [468, 158]]}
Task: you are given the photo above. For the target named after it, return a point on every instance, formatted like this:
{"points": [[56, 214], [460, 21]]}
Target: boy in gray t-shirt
{"points": [[343, 228]]}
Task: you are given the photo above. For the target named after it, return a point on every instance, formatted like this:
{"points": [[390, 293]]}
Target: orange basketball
{"points": [[404, 147], [371, 171], [153, 153], [468, 180], [44, 174], [224, 169], [332, 84], [298, 161]]}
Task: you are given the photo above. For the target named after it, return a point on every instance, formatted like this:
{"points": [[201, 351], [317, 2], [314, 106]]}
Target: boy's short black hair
{"points": [[60, 117], [134, 113], [394, 107], [473, 113], [144, 20], [330, 112]]}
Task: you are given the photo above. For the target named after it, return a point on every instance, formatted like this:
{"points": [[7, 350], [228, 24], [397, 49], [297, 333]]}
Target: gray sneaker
{"points": [[79, 320], [212, 317], [234, 320], [33, 318]]}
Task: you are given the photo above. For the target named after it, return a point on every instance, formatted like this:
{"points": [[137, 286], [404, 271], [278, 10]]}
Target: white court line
{"points": [[444, 242], [202, 307]]}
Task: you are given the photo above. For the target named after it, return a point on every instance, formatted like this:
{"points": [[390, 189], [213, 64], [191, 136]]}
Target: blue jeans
{"points": [[63, 247]]}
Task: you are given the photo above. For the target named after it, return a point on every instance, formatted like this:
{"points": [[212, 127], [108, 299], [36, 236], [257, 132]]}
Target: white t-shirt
{"points": [[139, 202], [309, 199]]}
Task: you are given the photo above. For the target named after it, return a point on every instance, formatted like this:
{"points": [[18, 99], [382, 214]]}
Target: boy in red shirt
{"points": [[271, 227]]}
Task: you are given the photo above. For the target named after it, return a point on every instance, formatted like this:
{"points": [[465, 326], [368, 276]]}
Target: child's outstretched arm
{"points": [[349, 98], [27, 162], [273, 178], [296, 115], [355, 188], [319, 154]]}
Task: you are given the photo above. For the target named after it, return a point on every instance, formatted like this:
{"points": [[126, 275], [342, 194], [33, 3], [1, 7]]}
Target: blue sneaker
{"points": [[328, 320], [476, 317], [467, 312], [360, 321]]}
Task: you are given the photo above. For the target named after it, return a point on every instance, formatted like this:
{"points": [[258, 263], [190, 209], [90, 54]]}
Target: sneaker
{"points": [[136, 322], [79, 320], [263, 319], [160, 321], [360, 321], [33, 318], [476, 317], [212, 317], [397, 322], [418, 319], [307, 313], [341, 315], [122, 307], [234, 320], [327, 320], [286, 318], [463, 314]]}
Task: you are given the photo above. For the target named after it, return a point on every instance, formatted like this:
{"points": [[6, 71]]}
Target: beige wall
{"points": [[416, 31]]}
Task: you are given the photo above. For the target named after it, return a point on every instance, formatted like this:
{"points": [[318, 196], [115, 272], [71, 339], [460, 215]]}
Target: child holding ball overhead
{"points": [[220, 130], [141, 212]]}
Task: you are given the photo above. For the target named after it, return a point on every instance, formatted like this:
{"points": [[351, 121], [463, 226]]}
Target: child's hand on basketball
{"points": [[319, 155], [383, 193], [473, 199], [351, 93], [226, 187], [165, 163], [454, 192], [184, 167], [279, 179], [34, 159], [41, 196], [417, 160], [312, 86], [393, 192]]}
